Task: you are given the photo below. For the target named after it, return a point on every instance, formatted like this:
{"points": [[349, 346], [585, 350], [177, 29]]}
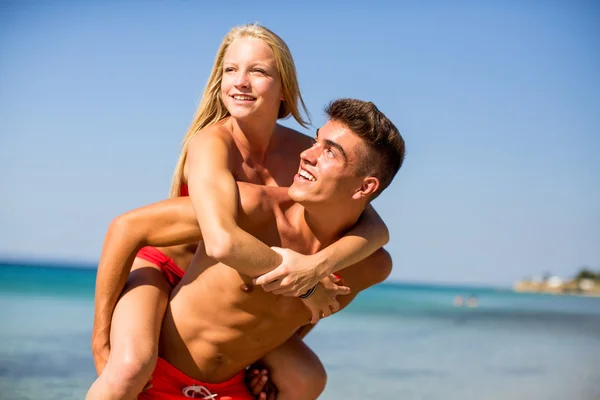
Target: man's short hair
{"points": [[385, 146]]}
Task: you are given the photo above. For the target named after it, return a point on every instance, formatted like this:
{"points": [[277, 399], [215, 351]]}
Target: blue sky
{"points": [[498, 103]]}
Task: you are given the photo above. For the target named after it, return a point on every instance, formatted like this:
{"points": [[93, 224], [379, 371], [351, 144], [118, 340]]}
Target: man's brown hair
{"points": [[385, 146]]}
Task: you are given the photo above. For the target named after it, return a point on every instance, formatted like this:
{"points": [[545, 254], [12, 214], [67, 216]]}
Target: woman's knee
{"points": [[136, 327], [129, 370], [314, 380], [306, 381], [135, 357]]}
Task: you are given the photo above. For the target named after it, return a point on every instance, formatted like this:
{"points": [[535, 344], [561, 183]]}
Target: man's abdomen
{"points": [[211, 331]]}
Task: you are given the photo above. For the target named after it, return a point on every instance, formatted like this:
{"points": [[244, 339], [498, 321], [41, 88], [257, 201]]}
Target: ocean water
{"points": [[395, 341]]}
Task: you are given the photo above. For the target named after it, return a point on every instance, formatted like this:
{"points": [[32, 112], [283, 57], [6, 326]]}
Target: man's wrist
{"points": [[100, 338], [100, 342]]}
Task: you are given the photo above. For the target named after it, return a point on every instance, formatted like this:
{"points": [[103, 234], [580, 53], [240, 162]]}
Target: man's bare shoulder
{"points": [[372, 270], [366, 273], [258, 202]]}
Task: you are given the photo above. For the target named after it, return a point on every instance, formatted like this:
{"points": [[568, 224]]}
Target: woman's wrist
{"points": [[309, 292], [323, 266]]}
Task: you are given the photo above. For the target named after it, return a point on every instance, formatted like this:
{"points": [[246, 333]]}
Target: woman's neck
{"points": [[254, 137]]}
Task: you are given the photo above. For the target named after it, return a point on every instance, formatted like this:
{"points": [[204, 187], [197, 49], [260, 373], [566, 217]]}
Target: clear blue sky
{"points": [[499, 104]]}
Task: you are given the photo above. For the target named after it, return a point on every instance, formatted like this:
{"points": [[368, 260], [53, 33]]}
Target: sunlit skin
{"points": [[212, 329], [327, 152], [248, 146], [250, 86]]}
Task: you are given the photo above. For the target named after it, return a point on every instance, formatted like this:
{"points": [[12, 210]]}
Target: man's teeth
{"points": [[306, 175], [239, 97]]}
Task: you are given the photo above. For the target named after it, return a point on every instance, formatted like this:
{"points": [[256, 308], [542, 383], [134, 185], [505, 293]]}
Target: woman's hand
{"points": [[296, 274]]}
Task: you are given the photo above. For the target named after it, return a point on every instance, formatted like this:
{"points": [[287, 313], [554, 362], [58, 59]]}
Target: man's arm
{"points": [[297, 273], [165, 223], [369, 272], [168, 222], [360, 276]]}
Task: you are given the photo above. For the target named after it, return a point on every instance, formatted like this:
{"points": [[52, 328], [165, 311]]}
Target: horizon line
{"points": [[40, 262]]}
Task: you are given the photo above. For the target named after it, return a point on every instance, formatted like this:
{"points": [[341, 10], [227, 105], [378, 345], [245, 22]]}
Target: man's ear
{"points": [[369, 186]]}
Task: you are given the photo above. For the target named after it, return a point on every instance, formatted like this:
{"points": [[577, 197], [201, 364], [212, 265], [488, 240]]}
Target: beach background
{"points": [[396, 341], [497, 102]]}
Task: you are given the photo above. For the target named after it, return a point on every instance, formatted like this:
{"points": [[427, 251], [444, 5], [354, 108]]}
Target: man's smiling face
{"points": [[328, 170]]}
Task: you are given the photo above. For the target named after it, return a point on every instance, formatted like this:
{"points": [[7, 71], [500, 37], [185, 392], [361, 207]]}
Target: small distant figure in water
{"points": [[459, 301], [472, 301]]}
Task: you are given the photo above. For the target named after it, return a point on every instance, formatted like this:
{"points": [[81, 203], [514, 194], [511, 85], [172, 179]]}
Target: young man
{"points": [[212, 330]]}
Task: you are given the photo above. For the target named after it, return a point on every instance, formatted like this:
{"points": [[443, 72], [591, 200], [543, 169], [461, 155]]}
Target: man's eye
{"points": [[330, 153]]}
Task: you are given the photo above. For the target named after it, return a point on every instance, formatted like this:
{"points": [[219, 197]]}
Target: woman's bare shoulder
{"points": [[294, 139], [220, 129], [210, 141], [212, 135]]}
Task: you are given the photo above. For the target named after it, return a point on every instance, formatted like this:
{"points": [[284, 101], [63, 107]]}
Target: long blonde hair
{"points": [[212, 110]]}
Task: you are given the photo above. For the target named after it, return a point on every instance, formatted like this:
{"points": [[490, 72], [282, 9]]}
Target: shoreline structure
{"points": [[555, 285]]}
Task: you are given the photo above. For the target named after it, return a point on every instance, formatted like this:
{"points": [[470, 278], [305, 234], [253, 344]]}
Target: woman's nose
{"points": [[241, 79]]}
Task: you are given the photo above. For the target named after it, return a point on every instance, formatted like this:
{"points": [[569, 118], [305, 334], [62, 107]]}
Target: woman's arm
{"points": [[214, 195], [298, 273], [368, 235]]}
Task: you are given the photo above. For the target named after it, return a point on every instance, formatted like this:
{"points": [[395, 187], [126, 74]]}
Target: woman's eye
{"points": [[260, 71]]}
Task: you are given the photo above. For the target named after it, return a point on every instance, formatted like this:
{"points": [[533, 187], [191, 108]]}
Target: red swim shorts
{"points": [[171, 384], [172, 272]]}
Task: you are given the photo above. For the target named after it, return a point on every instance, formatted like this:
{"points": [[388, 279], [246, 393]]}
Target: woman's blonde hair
{"points": [[212, 110]]}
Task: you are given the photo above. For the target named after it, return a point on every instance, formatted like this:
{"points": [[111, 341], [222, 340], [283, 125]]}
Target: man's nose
{"points": [[309, 155]]}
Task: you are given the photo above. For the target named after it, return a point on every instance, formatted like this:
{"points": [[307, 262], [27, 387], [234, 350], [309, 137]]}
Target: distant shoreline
{"points": [[569, 288]]}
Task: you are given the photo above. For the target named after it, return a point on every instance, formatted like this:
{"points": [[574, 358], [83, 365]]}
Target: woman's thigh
{"points": [[139, 312], [295, 370]]}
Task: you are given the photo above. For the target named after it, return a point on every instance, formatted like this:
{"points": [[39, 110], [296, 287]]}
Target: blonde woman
{"points": [[234, 137]]}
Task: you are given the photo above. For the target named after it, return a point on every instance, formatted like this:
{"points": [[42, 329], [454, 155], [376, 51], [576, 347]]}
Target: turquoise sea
{"points": [[396, 341]]}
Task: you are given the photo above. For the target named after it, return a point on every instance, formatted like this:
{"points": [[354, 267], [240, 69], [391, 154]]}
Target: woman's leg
{"points": [[134, 334], [295, 370]]}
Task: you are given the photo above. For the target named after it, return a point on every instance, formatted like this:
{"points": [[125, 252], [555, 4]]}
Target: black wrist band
{"points": [[309, 292]]}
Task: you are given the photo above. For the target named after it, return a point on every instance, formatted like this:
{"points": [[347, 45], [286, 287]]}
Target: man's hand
{"points": [[259, 384], [323, 301], [296, 274], [100, 351]]}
